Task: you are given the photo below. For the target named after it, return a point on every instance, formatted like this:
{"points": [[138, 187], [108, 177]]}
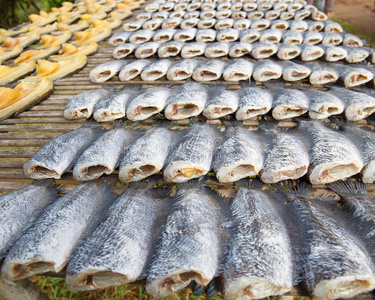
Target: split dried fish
{"points": [[133, 69], [220, 103], [253, 102], [106, 71], [209, 70], [182, 69]]}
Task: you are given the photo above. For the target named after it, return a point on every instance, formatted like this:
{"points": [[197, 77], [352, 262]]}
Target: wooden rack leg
{"points": [[20, 290]]}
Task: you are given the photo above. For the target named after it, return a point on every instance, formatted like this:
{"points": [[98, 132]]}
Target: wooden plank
{"points": [[40, 128], [18, 164], [28, 135], [38, 120], [22, 143], [17, 153]]}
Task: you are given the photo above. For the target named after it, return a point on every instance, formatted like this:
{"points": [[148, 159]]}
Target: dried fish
{"points": [[124, 50], [265, 70], [260, 24], [133, 69], [272, 36], [310, 52], [164, 35], [288, 52], [241, 24], [239, 69], [172, 48], [263, 50], [312, 38], [106, 71], [289, 103], [182, 69], [185, 35], [220, 103], [224, 23], [323, 104], [189, 23], [147, 49], [193, 49], [133, 25], [119, 38], [253, 102], [249, 36], [295, 72], [153, 24], [292, 38], [141, 36], [239, 49], [217, 49], [228, 35], [209, 70]]}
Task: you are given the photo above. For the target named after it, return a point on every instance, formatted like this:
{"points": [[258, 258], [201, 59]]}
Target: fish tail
{"points": [[146, 183], [43, 182], [293, 188], [267, 125], [164, 123], [192, 184], [254, 183], [348, 187]]}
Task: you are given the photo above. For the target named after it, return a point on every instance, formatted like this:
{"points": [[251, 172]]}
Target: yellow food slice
{"points": [[8, 54], [23, 40], [92, 18], [9, 74], [121, 13], [49, 40], [81, 25], [69, 51], [92, 35], [114, 23], [43, 30], [34, 55]]}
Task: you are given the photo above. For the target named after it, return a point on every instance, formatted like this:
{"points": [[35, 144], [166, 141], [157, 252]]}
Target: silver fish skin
{"points": [[295, 72], [287, 156], [114, 106], [318, 16], [288, 52], [160, 15], [217, 49], [82, 105], [310, 7], [171, 23], [239, 49], [336, 263], [356, 54], [189, 23], [141, 36], [144, 16], [272, 36], [156, 70], [351, 40], [133, 25], [147, 155], [333, 27], [124, 255], [148, 103], [264, 6], [192, 156], [182, 254], [221, 103], [170, 49], [59, 154], [119, 38], [241, 24], [177, 14], [302, 14], [147, 49], [289, 103], [164, 35], [299, 26], [207, 14], [311, 52], [225, 5], [20, 208], [191, 15], [263, 50], [48, 243], [272, 15], [286, 15], [106, 71], [237, 6], [182, 69], [265, 70], [224, 15], [102, 156], [260, 238], [193, 6], [133, 69], [357, 105], [224, 24], [153, 24], [315, 26], [205, 35], [292, 38], [185, 35], [206, 24], [180, 7], [241, 154], [152, 7], [167, 6], [249, 36], [193, 49], [323, 105], [239, 69], [124, 50], [253, 102], [208, 6], [294, 7], [333, 155], [255, 15], [334, 39], [312, 38], [249, 6], [209, 70], [189, 101], [260, 24], [280, 6], [279, 24], [322, 74], [239, 15], [228, 35]]}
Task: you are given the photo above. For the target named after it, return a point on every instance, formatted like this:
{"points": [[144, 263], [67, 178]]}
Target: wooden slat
{"points": [[16, 153]]}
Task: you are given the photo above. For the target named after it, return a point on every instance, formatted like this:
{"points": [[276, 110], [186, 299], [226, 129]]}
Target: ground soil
{"points": [[359, 12]]}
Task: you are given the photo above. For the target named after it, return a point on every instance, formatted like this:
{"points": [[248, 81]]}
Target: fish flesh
{"points": [[357, 105], [102, 156], [228, 35], [355, 54], [133, 25], [141, 36], [299, 26], [249, 36], [171, 23], [295, 72], [30, 200], [147, 155], [185, 35], [188, 101], [209, 70], [106, 71], [333, 155], [224, 23], [93, 266], [172, 48], [312, 38], [333, 39], [48, 243], [292, 38], [263, 50], [161, 15], [272, 36], [333, 27], [152, 7], [272, 15], [323, 104], [351, 40], [241, 24], [206, 24], [114, 105], [311, 52], [177, 14], [315, 26], [183, 255], [220, 103], [164, 35], [279, 24], [144, 16], [255, 15], [253, 102], [259, 258], [205, 35], [239, 155], [147, 49], [302, 14], [193, 49], [156, 70], [133, 69], [192, 15], [322, 74], [60, 153], [82, 105], [167, 6], [217, 49], [124, 50], [260, 24], [287, 155], [289, 103], [239, 49], [189, 23], [288, 52], [265, 70], [207, 14], [249, 6], [239, 69], [336, 263], [182, 69], [192, 156], [148, 103], [153, 24], [286, 15], [237, 15], [119, 38]]}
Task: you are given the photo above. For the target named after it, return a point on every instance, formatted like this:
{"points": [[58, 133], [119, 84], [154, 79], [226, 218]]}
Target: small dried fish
{"points": [[331, 26], [172, 48], [260, 24], [239, 69], [119, 38], [124, 50], [288, 52], [312, 38], [239, 49], [295, 72], [147, 49], [206, 24], [160, 15], [315, 26], [253, 102], [141, 36], [351, 40], [237, 15], [333, 39], [286, 15], [292, 38], [189, 23], [220, 103], [272, 15], [228, 35], [289, 103], [323, 104], [263, 50], [249, 36], [272, 36], [164, 35], [153, 24], [144, 16], [224, 23], [148, 103], [209, 70], [193, 49], [171, 23], [302, 14], [182, 69], [355, 54], [299, 26], [207, 14], [205, 35], [241, 24], [265, 70], [133, 25], [106, 71], [133, 69], [185, 35], [310, 52], [217, 49], [279, 24], [322, 74]]}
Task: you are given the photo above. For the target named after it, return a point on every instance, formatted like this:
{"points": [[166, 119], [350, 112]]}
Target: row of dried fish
{"points": [[193, 99], [234, 71], [324, 154], [227, 22], [303, 2], [252, 246]]}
